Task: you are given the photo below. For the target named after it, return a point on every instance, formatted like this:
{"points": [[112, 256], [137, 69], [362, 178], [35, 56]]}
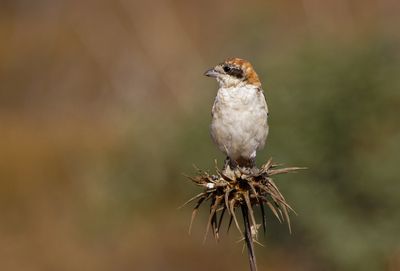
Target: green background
{"points": [[103, 106]]}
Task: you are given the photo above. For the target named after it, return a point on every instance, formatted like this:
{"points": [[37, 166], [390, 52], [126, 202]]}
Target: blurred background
{"points": [[103, 106]]}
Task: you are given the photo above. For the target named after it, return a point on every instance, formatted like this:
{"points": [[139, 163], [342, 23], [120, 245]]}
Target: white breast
{"points": [[239, 124]]}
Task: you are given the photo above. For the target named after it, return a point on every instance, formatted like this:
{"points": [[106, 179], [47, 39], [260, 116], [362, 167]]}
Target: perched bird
{"points": [[239, 124]]}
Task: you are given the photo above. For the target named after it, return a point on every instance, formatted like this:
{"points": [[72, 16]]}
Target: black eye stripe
{"points": [[233, 71], [238, 73]]}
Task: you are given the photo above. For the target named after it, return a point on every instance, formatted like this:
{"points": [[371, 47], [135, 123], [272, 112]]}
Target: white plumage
{"points": [[239, 124]]}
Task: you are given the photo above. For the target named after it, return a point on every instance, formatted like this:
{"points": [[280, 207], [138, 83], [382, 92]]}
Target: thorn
{"points": [[227, 193], [230, 223], [213, 208], [194, 213], [192, 199], [274, 211], [253, 190], [250, 208], [285, 212], [220, 219], [232, 206], [264, 219], [273, 172]]}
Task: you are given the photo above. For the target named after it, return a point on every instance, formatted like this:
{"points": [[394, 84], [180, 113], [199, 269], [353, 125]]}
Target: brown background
{"points": [[103, 105]]}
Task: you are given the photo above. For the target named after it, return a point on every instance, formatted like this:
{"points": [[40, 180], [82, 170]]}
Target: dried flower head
{"points": [[242, 188]]}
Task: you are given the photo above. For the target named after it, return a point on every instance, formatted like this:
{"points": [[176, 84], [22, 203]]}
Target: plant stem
{"points": [[249, 239]]}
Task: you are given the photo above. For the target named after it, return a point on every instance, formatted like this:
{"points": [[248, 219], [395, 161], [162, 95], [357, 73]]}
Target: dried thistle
{"points": [[241, 188]]}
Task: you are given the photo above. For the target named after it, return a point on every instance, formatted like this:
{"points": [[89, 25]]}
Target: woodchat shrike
{"points": [[239, 124]]}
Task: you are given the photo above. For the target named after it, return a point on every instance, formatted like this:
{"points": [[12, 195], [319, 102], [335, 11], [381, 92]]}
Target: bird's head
{"points": [[234, 72]]}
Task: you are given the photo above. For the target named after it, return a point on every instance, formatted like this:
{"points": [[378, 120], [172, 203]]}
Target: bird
{"points": [[239, 125]]}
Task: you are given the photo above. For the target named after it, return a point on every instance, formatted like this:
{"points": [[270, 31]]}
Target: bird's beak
{"points": [[211, 73]]}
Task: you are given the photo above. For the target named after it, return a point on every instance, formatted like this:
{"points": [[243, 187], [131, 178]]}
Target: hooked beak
{"points": [[211, 73]]}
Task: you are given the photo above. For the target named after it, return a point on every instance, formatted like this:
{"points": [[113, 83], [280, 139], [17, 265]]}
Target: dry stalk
{"points": [[245, 188]]}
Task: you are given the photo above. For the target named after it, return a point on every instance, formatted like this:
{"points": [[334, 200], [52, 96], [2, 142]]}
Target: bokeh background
{"points": [[103, 106]]}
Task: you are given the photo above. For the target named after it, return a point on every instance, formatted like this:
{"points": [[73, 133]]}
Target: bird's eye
{"points": [[226, 68]]}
